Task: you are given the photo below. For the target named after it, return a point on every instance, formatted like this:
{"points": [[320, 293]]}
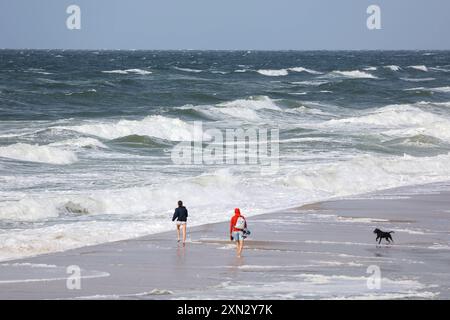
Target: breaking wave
{"points": [[420, 68], [401, 120], [161, 127], [128, 71], [301, 69], [393, 67], [188, 70], [38, 153], [273, 73], [355, 74]]}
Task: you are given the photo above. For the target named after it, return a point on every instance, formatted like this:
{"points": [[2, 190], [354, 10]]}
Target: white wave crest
{"points": [[393, 67], [254, 103], [153, 126], [79, 143], [440, 69], [116, 71], [310, 83], [391, 116], [28, 209], [245, 109], [235, 112], [38, 153], [368, 173], [218, 72], [80, 92], [273, 73], [127, 71], [441, 89], [398, 120], [420, 68], [417, 79], [438, 89], [355, 74], [301, 69], [188, 70]]}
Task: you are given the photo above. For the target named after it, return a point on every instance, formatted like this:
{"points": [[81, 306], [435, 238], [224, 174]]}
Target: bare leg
{"points": [[240, 247], [178, 232], [184, 233]]}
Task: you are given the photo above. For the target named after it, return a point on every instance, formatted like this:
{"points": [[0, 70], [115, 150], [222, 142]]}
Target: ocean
{"points": [[86, 137]]}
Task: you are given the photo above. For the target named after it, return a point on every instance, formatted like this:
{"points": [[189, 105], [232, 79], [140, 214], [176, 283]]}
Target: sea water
{"points": [[86, 136]]}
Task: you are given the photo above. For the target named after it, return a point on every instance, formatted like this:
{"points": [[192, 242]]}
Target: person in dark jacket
{"points": [[181, 215]]}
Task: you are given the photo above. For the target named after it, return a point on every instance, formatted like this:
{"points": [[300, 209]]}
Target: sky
{"points": [[226, 24]]}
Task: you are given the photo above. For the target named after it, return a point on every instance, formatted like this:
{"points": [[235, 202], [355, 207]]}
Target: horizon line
{"points": [[230, 50]]}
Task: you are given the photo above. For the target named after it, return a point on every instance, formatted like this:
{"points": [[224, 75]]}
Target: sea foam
{"points": [[301, 69], [161, 127], [273, 73], [128, 71], [420, 68], [38, 153], [393, 67], [355, 74]]}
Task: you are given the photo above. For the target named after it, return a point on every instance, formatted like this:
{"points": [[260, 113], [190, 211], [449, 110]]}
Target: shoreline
{"points": [[306, 206], [292, 254]]}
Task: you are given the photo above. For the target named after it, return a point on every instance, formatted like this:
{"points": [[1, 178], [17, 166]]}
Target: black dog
{"points": [[382, 234]]}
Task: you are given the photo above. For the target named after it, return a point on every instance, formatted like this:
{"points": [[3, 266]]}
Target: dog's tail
{"points": [[391, 232]]}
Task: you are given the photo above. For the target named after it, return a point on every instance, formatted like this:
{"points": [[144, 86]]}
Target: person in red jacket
{"points": [[237, 226]]}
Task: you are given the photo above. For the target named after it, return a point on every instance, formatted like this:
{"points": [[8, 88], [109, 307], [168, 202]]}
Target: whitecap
{"points": [[38, 153], [310, 82], [188, 70], [301, 69], [417, 79], [255, 103], [355, 74], [127, 71], [393, 67], [273, 73], [420, 68], [153, 126], [79, 143]]}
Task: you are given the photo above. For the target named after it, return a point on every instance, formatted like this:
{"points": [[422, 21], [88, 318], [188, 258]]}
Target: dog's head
{"points": [[376, 230]]}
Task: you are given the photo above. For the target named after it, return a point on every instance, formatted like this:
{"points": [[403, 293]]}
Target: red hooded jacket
{"points": [[237, 214]]}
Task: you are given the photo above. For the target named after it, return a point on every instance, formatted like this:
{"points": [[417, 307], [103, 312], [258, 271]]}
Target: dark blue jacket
{"points": [[180, 214]]}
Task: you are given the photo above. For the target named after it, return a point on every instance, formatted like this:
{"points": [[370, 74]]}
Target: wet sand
{"points": [[319, 251]]}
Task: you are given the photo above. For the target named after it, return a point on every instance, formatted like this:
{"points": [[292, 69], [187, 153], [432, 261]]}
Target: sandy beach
{"points": [[319, 251]]}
